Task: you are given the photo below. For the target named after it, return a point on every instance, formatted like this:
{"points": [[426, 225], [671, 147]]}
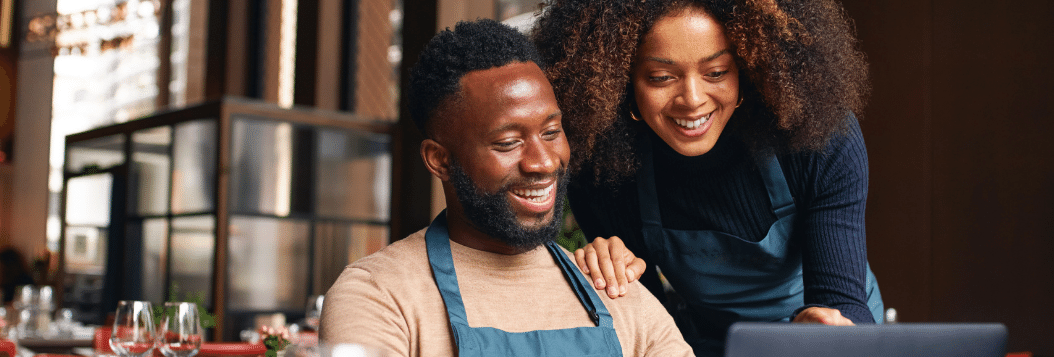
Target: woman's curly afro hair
{"points": [[801, 73], [471, 46]]}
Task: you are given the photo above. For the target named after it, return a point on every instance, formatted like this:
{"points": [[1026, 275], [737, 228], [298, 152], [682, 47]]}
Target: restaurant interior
{"points": [[239, 153]]}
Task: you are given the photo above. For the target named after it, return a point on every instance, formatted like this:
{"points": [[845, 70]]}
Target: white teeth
{"points": [[691, 124], [537, 195]]}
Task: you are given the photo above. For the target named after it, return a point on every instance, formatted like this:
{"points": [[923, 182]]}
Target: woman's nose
{"points": [[693, 92]]}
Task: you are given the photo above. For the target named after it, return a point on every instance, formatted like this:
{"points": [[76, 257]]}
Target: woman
{"points": [[717, 140]]}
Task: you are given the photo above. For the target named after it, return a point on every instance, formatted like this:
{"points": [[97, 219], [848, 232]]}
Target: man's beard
{"points": [[492, 214]]}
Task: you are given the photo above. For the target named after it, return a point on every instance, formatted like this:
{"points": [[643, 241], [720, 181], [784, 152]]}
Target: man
{"points": [[485, 278]]}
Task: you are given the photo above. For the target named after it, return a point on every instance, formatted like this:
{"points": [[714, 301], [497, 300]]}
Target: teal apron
{"points": [[486, 341], [722, 278]]}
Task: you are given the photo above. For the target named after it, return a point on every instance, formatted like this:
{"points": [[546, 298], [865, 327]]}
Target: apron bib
{"points": [[722, 278], [600, 340]]}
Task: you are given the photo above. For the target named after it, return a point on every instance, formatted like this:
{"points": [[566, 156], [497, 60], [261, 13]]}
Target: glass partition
{"points": [[96, 154], [301, 194], [88, 200], [155, 259], [152, 170], [354, 175], [262, 166], [267, 264], [193, 245], [194, 169], [86, 240]]}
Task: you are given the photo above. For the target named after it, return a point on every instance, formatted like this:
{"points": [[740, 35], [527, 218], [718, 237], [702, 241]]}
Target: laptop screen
{"points": [[756, 339]]}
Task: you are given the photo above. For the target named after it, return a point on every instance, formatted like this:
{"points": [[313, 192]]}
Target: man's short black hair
{"points": [[471, 46]]}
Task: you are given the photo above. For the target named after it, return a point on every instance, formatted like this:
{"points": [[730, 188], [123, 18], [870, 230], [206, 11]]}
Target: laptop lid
{"points": [[756, 339]]}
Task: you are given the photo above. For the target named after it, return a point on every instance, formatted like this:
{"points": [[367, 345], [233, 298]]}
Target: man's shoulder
{"points": [[635, 296], [388, 300], [643, 325], [404, 258]]}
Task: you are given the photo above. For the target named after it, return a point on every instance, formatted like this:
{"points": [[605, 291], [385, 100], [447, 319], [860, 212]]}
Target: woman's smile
{"points": [[693, 126]]}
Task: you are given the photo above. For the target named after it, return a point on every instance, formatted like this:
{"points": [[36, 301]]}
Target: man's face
{"points": [[509, 153]]}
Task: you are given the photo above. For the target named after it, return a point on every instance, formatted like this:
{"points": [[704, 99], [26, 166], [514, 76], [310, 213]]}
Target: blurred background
{"points": [[241, 152]]}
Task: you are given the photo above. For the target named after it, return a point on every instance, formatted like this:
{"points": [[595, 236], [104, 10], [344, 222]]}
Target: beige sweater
{"points": [[389, 300]]}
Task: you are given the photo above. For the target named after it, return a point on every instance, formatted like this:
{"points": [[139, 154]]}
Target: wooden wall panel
{"points": [[993, 167], [411, 188], [238, 57], [960, 225], [374, 88], [897, 132], [8, 74], [6, 176], [327, 86], [197, 52]]}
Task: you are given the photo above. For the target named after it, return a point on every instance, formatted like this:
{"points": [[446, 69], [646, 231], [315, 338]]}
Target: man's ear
{"points": [[436, 158]]}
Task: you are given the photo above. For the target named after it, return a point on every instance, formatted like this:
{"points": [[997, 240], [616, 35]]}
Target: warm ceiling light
{"points": [[287, 53]]}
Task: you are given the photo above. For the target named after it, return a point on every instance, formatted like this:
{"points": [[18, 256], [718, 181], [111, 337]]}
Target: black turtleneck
{"points": [[722, 190]]}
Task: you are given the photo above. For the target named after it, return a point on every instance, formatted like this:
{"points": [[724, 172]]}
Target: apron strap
{"points": [[646, 193], [437, 241], [589, 298], [776, 185]]}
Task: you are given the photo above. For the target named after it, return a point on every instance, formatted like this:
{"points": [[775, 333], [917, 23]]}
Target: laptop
{"points": [[756, 339]]}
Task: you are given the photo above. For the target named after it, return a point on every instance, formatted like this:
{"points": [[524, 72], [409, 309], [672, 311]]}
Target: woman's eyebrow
{"points": [[716, 55], [707, 59]]}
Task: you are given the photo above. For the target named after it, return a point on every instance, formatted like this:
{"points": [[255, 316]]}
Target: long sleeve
{"points": [[831, 225], [723, 191]]}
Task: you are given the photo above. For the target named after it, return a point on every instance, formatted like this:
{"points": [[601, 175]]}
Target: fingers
{"points": [[823, 315], [580, 259], [607, 267], [610, 265], [635, 269], [586, 257], [618, 253], [593, 267], [837, 321]]}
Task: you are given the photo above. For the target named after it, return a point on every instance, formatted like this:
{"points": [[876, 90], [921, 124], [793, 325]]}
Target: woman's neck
{"points": [[727, 151]]}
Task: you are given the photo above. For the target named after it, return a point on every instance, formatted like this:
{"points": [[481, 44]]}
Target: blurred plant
{"points": [[571, 236], [198, 298], [275, 338]]}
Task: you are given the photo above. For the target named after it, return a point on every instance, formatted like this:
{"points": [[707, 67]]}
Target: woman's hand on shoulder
{"points": [[610, 265], [823, 315]]}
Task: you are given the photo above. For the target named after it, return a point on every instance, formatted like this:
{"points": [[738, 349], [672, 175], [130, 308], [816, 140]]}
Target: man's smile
{"points": [[537, 198]]}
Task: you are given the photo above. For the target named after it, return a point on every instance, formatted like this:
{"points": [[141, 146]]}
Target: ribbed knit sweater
{"points": [[722, 190]]}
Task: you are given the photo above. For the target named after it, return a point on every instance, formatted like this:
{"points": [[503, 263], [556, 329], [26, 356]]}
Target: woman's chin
{"points": [[690, 145]]}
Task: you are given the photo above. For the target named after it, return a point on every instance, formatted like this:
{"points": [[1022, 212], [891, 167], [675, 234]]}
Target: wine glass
{"points": [[314, 311], [133, 329], [180, 334]]}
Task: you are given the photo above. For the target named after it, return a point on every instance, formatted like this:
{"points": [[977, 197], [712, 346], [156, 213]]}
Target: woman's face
{"points": [[686, 81]]}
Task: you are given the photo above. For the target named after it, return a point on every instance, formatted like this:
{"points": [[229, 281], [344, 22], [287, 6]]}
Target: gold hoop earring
{"points": [[633, 116], [740, 102]]}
